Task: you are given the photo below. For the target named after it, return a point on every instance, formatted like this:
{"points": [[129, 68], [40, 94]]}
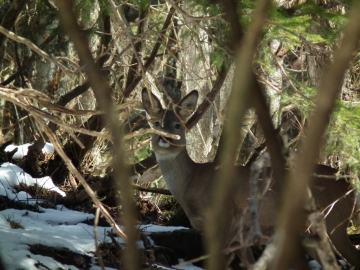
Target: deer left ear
{"points": [[187, 105], [151, 103]]}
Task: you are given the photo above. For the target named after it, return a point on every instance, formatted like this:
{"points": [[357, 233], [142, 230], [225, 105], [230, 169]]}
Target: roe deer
{"points": [[191, 183]]}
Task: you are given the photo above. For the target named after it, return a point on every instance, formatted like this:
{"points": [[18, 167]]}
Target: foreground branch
{"points": [[102, 93], [239, 102], [292, 219]]}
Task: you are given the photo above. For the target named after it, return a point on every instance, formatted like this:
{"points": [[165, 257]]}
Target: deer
{"points": [[192, 183]]}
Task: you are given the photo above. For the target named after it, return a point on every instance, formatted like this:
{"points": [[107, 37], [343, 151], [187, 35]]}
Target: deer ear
{"points": [[151, 103], [187, 105]]}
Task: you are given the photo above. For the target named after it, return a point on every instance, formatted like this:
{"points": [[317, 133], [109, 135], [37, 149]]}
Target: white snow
{"points": [[11, 175], [23, 149], [59, 228]]}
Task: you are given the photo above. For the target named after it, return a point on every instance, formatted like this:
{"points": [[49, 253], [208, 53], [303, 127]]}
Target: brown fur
{"points": [[191, 183]]}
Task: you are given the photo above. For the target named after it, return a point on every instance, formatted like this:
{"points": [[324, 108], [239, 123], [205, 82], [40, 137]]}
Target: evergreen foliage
{"points": [[309, 30]]}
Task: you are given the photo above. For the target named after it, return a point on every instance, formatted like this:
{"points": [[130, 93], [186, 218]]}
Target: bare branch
{"points": [[239, 102], [256, 168], [83, 182], [151, 131], [153, 53], [32, 46], [195, 21], [102, 93], [292, 219], [202, 108], [9, 19], [12, 96]]}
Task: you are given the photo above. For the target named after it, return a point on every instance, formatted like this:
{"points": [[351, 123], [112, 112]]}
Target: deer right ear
{"points": [[187, 105], [150, 102]]}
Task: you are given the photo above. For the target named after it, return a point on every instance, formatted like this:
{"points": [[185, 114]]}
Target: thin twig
{"points": [[103, 95], [32, 46], [79, 177], [239, 102], [153, 53], [292, 218], [96, 239], [256, 168]]}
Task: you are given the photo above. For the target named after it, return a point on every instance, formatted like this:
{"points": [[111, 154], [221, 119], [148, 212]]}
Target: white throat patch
{"points": [[164, 144]]}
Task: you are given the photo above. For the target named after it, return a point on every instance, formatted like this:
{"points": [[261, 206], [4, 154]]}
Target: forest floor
{"points": [[36, 232]]}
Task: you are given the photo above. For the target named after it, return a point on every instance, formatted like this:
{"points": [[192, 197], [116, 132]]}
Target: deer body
{"points": [[192, 183]]}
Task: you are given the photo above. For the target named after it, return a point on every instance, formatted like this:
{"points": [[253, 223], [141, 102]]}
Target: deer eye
{"points": [[177, 126], [157, 124]]}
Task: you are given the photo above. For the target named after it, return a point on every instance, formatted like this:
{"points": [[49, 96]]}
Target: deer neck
{"points": [[177, 169]]}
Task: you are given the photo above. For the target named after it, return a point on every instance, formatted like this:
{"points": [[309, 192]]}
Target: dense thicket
{"points": [[171, 48]]}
